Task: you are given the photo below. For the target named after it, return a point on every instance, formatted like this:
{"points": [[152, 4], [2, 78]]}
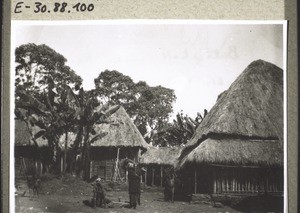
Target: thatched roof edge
{"points": [[236, 152], [161, 156]]}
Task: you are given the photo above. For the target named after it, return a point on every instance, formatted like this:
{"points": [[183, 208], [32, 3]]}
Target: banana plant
{"points": [[86, 114], [180, 131]]}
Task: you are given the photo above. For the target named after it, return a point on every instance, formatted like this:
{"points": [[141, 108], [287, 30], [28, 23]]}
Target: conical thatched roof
{"points": [[120, 131], [251, 109], [161, 156]]}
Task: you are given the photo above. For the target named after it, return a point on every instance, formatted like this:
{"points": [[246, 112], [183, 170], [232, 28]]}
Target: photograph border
{"points": [[292, 78]]}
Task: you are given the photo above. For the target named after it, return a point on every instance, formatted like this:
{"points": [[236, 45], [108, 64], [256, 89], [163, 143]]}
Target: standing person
{"points": [[99, 194], [134, 186]]}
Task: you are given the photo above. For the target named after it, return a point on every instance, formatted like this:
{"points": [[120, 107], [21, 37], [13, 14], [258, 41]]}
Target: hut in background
{"points": [[29, 157], [238, 147], [157, 160], [122, 140]]}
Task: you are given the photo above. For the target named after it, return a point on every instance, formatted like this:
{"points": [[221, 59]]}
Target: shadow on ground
{"points": [[262, 203]]}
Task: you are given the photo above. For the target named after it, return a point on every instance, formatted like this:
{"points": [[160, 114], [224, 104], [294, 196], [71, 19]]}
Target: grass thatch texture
{"points": [[24, 133], [237, 152], [251, 107], [161, 156], [120, 131]]}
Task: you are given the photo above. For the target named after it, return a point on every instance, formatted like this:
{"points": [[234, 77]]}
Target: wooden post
{"points": [[61, 164], [195, 191], [91, 169], [161, 176], [146, 176], [65, 152], [36, 166], [214, 180], [222, 180], [41, 171], [117, 172], [152, 176]]}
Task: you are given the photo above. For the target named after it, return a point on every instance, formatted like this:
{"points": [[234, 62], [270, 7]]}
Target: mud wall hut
{"points": [[156, 161], [238, 147], [122, 140]]}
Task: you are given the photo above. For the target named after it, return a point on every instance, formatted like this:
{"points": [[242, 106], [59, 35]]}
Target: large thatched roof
{"points": [[161, 156], [120, 131], [237, 152], [251, 109]]}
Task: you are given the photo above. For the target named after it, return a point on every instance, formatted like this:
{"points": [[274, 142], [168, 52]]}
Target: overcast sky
{"points": [[198, 61]]}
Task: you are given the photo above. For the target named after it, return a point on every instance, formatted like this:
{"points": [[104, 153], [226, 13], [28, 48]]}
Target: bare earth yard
{"points": [[67, 193]]}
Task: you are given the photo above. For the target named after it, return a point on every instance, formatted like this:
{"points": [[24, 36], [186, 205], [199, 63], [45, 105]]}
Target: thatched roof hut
{"points": [[24, 134], [158, 162], [247, 118], [239, 144], [161, 156], [25, 150], [120, 140], [120, 132]]}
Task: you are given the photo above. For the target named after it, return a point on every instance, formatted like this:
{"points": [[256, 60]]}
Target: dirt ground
{"points": [[67, 194]]}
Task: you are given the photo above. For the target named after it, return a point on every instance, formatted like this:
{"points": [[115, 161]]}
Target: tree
{"points": [[180, 131], [147, 106], [35, 63], [42, 85], [89, 113]]}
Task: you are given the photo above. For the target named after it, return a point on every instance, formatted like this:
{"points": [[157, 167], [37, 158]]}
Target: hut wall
{"points": [[35, 159], [103, 161], [215, 179], [156, 174], [247, 180], [27, 166]]}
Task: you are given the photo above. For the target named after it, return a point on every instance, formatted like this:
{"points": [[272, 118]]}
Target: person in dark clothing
{"points": [[99, 194], [134, 186]]}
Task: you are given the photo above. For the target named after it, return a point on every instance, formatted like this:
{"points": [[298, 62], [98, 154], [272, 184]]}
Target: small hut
{"points": [[122, 140], [29, 156], [238, 147], [157, 160]]}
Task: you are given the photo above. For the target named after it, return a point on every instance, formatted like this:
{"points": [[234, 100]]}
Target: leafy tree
{"points": [[42, 85], [53, 118], [147, 106], [35, 63], [69, 113], [180, 131]]}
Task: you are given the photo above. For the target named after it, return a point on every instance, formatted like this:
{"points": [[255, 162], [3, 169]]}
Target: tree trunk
{"points": [[86, 155], [74, 149]]}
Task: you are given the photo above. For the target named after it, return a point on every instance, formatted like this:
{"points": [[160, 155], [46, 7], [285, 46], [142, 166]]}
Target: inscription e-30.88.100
{"points": [[56, 7]]}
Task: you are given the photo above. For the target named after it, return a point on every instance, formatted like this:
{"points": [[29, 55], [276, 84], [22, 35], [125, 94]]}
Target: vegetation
{"points": [[149, 107], [180, 131], [49, 97]]}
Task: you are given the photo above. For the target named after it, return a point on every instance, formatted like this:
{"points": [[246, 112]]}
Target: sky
{"points": [[197, 60]]}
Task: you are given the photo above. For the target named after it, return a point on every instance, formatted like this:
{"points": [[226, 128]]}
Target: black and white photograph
{"points": [[148, 116]]}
